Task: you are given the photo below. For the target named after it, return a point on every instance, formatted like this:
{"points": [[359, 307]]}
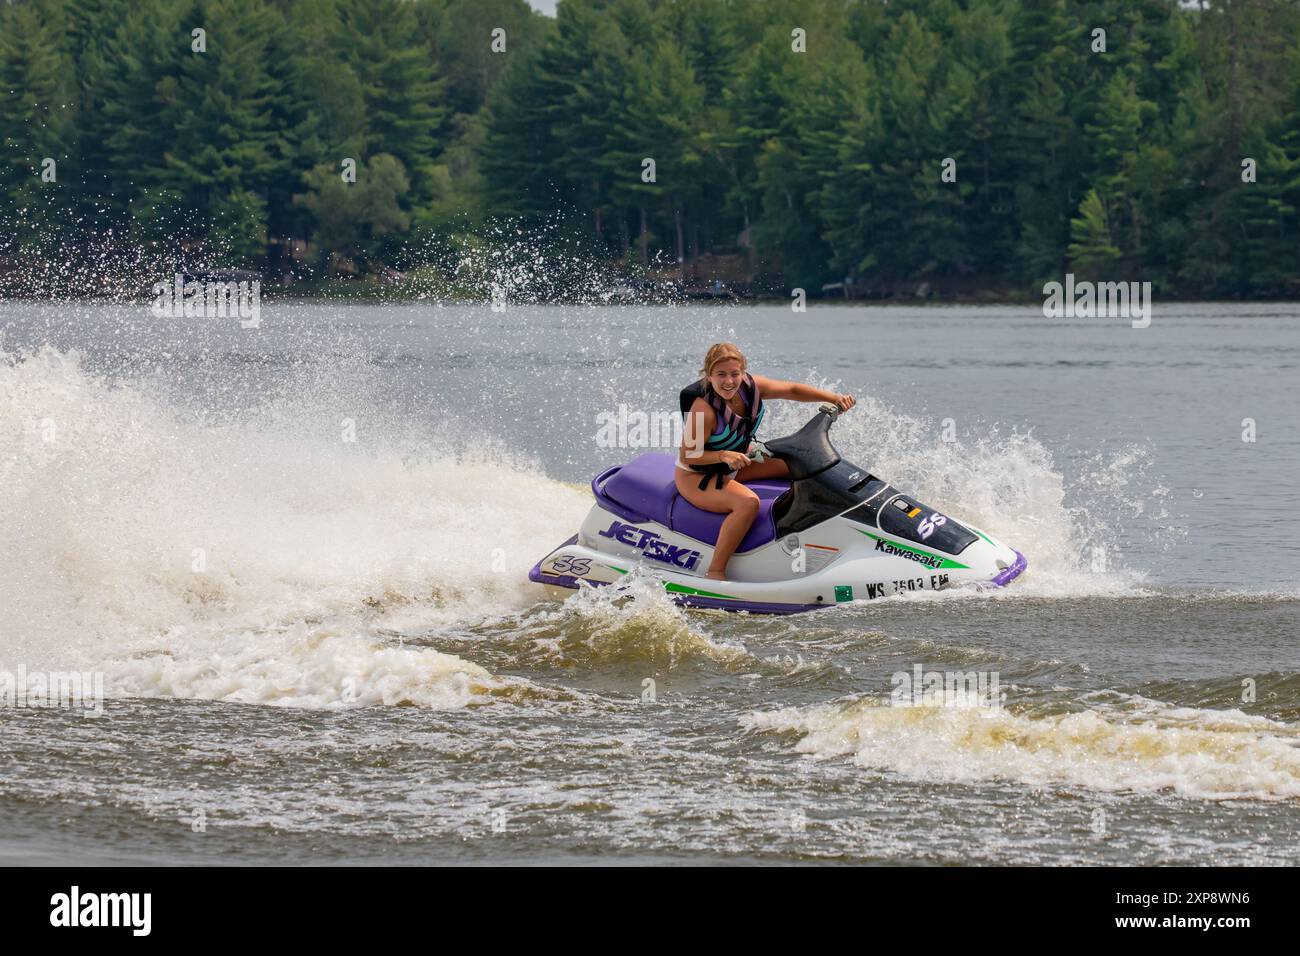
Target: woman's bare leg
{"points": [[739, 504]]}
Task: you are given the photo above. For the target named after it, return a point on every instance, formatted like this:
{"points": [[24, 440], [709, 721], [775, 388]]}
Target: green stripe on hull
{"points": [[681, 588]]}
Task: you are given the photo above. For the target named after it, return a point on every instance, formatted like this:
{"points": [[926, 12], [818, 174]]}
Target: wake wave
{"points": [[255, 560], [1206, 754]]}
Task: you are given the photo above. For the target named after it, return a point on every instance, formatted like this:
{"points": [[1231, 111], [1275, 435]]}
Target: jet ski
{"points": [[831, 534]]}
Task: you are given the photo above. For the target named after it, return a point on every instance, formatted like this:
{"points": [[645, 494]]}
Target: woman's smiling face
{"points": [[727, 377]]}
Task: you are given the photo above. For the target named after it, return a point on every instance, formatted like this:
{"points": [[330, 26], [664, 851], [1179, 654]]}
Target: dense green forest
{"points": [[968, 146]]}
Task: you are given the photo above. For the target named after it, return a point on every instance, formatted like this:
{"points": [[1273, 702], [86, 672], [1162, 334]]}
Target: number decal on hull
{"points": [[565, 564], [927, 525]]}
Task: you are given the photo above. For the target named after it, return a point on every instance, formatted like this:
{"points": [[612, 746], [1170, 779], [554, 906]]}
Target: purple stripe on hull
{"points": [[537, 576], [754, 607], [559, 580], [1007, 575], [686, 600]]}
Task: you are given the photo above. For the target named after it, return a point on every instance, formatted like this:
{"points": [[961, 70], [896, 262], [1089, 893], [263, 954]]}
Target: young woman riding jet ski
{"points": [[723, 411]]}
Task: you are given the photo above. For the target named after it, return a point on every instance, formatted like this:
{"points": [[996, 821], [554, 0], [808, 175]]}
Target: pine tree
{"points": [[903, 222], [1093, 251], [459, 32], [354, 218], [224, 145], [36, 125], [1043, 153], [403, 94], [136, 85], [1117, 138], [1269, 207]]}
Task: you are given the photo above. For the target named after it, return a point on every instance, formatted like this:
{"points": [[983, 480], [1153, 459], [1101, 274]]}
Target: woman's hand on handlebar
{"points": [[845, 402]]}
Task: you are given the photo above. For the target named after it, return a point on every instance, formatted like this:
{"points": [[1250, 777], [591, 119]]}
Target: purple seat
{"points": [[645, 488]]}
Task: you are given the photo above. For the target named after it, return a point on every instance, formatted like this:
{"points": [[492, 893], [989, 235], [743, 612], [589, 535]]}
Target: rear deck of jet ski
{"points": [[645, 489]]}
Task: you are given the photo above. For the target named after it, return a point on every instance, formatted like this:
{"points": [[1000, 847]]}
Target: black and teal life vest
{"points": [[731, 432]]}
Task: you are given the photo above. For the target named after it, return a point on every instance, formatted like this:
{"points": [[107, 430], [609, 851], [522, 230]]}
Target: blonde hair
{"points": [[721, 352]]}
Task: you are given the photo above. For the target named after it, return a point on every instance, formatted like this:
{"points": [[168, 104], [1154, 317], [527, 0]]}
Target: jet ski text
{"points": [[651, 545]]}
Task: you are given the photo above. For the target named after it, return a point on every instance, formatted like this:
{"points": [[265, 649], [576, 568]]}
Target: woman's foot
{"points": [[716, 575]]}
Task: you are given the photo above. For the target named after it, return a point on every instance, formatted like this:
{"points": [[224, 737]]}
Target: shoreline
{"points": [[331, 297]]}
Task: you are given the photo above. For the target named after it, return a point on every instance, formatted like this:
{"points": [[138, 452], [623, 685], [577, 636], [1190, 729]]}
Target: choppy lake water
{"points": [[297, 554]]}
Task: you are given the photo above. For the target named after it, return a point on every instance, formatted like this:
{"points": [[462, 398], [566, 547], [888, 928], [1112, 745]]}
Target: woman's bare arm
{"points": [[798, 392]]}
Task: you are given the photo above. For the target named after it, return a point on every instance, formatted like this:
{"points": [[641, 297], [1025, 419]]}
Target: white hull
{"points": [[834, 562]]}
